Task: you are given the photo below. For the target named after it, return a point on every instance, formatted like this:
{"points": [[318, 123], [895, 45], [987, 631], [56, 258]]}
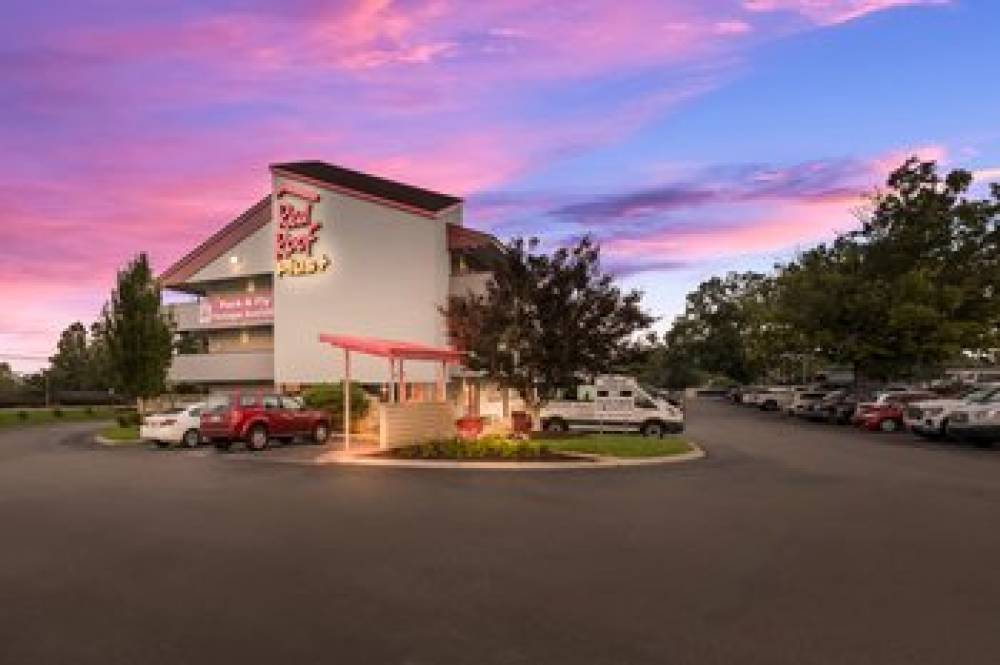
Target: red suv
{"points": [[887, 415], [256, 418]]}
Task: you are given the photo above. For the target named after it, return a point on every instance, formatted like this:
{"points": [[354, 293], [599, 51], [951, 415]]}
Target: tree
{"points": [[548, 321], [9, 381], [70, 366], [912, 288], [137, 333], [724, 329]]}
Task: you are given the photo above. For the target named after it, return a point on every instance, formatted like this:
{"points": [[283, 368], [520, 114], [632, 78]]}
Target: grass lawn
{"points": [[620, 445], [10, 418], [121, 434]]}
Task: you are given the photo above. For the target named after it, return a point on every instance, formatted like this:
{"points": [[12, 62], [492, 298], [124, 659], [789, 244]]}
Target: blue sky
{"points": [[690, 138]]}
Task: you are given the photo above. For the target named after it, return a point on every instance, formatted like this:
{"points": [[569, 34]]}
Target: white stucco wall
{"points": [[387, 279], [255, 255]]}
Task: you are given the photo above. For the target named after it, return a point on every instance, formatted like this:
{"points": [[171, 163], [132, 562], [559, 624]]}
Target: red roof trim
{"points": [[359, 195], [387, 348], [252, 220], [462, 237]]}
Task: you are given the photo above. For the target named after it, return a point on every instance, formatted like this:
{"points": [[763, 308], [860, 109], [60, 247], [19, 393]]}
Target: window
{"points": [[194, 412], [291, 403], [626, 393], [272, 402], [602, 393], [248, 400], [645, 403]]}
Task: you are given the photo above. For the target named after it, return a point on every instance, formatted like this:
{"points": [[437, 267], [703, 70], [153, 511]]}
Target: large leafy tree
{"points": [[915, 286], [137, 333], [912, 288], [723, 325], [548, 320]]}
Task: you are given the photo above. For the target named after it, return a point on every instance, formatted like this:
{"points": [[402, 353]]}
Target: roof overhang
{"points": [[393, 349], [232, 234]]}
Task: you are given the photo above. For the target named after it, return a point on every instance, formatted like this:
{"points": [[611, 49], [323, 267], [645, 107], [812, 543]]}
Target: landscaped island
{"points": [[569, 448]]}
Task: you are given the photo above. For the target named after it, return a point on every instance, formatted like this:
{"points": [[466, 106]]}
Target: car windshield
{"points": [[991, 398], [978, 395], [217, 403]]}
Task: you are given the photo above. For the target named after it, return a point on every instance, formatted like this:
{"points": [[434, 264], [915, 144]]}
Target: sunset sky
{"points": [[691, 137]]}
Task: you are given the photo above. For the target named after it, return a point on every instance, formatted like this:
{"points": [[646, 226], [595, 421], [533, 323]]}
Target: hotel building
{"points": [[329, 250]]}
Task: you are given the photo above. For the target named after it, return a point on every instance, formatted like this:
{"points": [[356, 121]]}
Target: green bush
{"points": [[492, 447], [128, 418], [57, 412], [329, 397], [22, 415], [89, 411]]}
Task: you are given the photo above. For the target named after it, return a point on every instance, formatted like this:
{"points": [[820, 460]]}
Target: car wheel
{"points": [[257, 438], [222, 445], [888, 425], [653, 430], [320, 434], [943, 431], [191, 438], [556, 425]]}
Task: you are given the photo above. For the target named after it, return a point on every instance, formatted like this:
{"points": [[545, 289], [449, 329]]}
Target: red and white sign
{"points": [[237, 308], [296, 234]]}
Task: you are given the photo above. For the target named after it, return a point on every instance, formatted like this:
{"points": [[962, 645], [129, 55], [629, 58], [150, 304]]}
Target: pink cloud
{"points": [[793, 218], [830, 12]]}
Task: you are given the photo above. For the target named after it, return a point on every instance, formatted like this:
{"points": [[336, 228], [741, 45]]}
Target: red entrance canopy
{"points": [[387, 348]]}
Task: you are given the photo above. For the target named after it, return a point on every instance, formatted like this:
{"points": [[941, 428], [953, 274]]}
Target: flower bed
{"points": [[487, 448]]}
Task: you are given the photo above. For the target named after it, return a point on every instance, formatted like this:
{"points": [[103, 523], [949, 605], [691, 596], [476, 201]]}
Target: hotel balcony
{"points": [[463, 284], [189, 316], [251, 366]]}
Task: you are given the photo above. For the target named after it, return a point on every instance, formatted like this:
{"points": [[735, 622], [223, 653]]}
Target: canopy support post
{"points": [[347, 399], [442, 386], [402, 383]]}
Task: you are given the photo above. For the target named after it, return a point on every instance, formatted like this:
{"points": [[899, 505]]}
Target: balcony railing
{"points": [[222, 367], [191, 316]]}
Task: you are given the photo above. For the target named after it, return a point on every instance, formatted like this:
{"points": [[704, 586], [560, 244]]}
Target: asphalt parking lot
{"points": [[792, 543]]}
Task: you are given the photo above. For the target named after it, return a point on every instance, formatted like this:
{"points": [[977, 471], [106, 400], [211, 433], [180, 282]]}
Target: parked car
{"points": [[750, 395], [977, 422], [882, 398], [887, 416], [776, 398], [256, 418], [802, 400], [818, 410], [838, 407], [929, 418], [175, 426]]}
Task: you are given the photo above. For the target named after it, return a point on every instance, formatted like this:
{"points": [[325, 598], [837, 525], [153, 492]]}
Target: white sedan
{"points": [[174, 426]]}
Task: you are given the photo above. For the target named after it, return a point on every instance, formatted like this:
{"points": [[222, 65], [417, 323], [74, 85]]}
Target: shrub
{"points": [[329, 397], [89, 411], [485, 447], [128, 418], [57, 412], [22, 415]]}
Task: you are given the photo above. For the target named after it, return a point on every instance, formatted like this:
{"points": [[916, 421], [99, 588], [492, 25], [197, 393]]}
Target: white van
{"points": [[613, 404]]}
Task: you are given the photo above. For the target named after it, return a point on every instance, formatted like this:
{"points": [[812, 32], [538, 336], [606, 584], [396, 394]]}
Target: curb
{"points": [[104, 441], [596, 462]]}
